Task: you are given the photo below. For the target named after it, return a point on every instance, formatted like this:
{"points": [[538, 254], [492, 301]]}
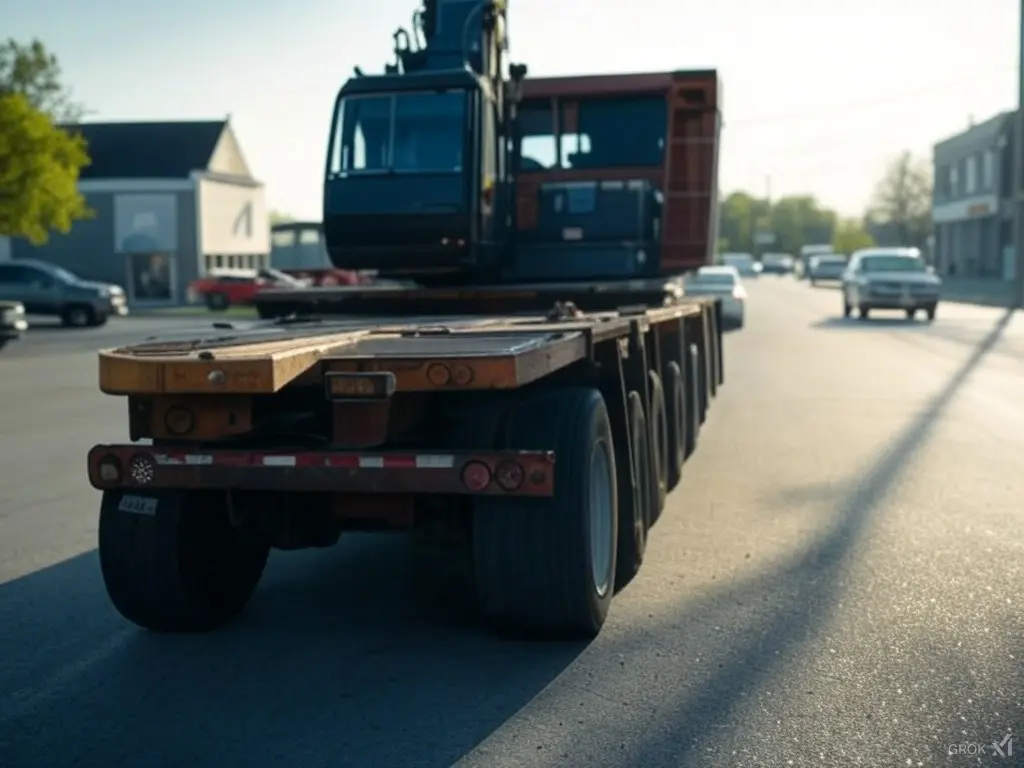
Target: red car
{"points": [[224, 288]]}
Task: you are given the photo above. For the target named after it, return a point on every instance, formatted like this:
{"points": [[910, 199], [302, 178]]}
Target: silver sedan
{"points": [[890, 278]]}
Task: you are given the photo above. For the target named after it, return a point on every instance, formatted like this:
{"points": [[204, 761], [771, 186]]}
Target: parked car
{"points": [[746, 265], [722, 282], [826, 268], [46, 289], [777, 263], [890, 278], [12, 321], [224, 288]]}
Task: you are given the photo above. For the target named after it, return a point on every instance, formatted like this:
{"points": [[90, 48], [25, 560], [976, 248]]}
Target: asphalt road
{"points": [[837, 583]]}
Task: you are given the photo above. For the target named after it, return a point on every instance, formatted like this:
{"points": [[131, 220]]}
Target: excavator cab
{"points": [[416, 155]]}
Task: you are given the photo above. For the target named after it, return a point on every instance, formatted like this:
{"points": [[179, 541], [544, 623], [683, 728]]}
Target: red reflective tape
{"points": [[290, 460], [233, 459], [348, 461]]}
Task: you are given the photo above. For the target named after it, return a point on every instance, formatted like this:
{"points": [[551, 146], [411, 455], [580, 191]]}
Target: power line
{"points": [[880, 101]]}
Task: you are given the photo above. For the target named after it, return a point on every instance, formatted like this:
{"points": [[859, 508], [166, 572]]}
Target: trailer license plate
{"points": [[138, 505]]}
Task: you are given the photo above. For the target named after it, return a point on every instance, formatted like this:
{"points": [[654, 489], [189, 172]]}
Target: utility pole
{"points": [[1018, 167]]}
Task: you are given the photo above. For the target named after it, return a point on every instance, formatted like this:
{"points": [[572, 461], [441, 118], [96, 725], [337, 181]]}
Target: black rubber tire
{"points": [[864, 312], [847, 309], [180, 567], [532, 556], [675, 412], [659, 446], [911, 314], [703, 393], [929, 313], [636, 501], [693, 384], [78, 316], [217, 302]]}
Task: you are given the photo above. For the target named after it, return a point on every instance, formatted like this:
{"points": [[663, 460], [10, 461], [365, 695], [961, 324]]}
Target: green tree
{"points": [[798, 220], [739, 214], [903, 200], [39, 167], [851, 236], [33, 72]]}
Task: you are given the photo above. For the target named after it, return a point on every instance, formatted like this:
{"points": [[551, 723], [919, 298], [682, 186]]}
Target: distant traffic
{"points": [[869, 280]]}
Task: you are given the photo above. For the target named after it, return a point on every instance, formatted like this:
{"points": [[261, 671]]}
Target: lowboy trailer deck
{"points": [[547, 440]]}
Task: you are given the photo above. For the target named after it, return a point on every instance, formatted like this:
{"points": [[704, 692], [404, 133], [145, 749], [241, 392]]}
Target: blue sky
{"points": [[818, 94]]}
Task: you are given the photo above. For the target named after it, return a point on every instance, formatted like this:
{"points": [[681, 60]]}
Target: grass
{"points": [[199, 311]]}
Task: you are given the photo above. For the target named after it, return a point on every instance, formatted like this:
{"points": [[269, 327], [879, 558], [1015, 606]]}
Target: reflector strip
{"points": [[279, 461], [340, 460]]}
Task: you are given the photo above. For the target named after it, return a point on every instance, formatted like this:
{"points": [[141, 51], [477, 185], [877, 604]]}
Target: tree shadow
{"points": [[743, 634], [367, 654], [370, 655], [873, 324]]}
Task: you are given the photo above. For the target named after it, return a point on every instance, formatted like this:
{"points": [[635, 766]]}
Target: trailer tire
{"points": [[659, 447], [693, 388], [675, 412], [172, 562], [635, 501], [546, 566], [703, 390]]}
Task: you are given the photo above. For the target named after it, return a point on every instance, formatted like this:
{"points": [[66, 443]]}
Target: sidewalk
{"points": [[976, 290]]}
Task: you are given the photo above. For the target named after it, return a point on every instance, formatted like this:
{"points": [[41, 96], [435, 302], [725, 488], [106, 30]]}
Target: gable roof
{"points": [[981, 136], [148, 150]]}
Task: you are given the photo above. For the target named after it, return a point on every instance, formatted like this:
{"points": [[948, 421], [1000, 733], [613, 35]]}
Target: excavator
{"points": [[446, 171]]}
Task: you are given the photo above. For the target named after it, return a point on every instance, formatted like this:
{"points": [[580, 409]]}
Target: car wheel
{"points": [[911, 314], [930, 313], [864, 312], [78, 316], [217, 302], [847, 309]]}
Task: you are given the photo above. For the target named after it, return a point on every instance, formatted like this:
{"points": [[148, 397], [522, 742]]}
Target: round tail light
{"points": [[476, 476]]}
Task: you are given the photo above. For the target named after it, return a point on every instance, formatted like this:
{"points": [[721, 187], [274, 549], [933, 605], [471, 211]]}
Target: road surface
{"points": [[838, 582]]}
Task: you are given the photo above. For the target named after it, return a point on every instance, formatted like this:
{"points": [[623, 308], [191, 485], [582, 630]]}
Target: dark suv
{"points": [[46, 289]]}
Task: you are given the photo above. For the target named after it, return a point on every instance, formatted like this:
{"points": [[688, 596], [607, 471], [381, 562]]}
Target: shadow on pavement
{"points": [[782, 609], [369, 654], [877, 323]]}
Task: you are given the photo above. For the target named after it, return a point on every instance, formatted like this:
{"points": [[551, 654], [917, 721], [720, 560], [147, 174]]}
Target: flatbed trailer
{"points": [[545, 439]]}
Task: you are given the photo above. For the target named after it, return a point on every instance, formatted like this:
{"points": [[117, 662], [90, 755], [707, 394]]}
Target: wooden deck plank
{"points": [[267, 366]]}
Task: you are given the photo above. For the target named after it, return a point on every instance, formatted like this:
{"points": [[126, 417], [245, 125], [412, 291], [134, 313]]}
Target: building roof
{"points": [[984, 134], [149, 150]]}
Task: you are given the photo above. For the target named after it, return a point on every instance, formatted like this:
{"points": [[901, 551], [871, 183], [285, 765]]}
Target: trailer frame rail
{"points": [[500, 473]]}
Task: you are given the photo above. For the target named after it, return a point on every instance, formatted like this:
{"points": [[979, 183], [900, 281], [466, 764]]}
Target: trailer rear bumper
{"points": [[520, 473]]}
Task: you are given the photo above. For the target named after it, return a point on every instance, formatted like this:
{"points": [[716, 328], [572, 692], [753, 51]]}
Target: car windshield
{"points": [[892, 264], [274, 274], [63, 275], [714, 278]]}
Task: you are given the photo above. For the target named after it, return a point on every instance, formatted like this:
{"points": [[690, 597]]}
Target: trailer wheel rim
{"points": [[601, 518]]}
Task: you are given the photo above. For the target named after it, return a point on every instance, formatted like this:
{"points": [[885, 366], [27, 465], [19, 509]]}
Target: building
{"points": [[971, 206], [171, 201]]}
